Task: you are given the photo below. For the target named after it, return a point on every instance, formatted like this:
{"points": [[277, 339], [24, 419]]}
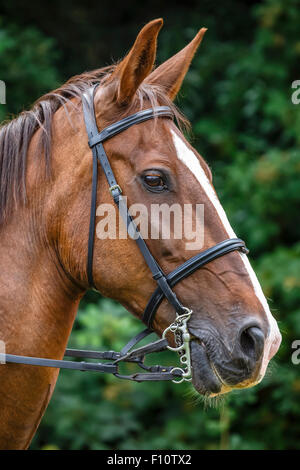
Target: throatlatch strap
{"points": [[92, 222], [91, 128]]}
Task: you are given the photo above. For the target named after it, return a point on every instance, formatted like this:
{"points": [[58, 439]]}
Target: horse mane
{"points": [[16, 134]]}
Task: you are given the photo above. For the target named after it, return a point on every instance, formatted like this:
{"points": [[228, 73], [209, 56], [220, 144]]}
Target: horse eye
{"points": [[154, 181]]}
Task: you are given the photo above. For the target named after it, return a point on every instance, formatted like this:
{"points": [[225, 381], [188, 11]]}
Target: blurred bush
{"points": [[27, 66]]}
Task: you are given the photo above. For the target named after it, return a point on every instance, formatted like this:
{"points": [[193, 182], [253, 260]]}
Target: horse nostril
{"points": [[252, 342]]}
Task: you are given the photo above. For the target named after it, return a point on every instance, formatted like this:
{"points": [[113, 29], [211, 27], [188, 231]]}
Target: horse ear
{"points": [[139, 62], [171, 73]]}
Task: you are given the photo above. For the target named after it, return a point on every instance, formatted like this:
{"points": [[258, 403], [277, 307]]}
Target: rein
{"points": [[165, 282]]}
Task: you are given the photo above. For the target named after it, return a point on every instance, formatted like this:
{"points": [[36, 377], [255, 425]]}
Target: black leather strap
{"points": [[61, 364], [152, 376], [89, 354], [123, 124], [91, 240], [141, 335], [156, 346], [91, 128]]}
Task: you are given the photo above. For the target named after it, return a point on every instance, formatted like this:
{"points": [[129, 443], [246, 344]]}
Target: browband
{"points": [[123, 124]]}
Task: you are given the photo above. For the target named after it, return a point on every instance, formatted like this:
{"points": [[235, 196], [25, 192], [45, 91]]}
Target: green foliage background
{"points": [[238, 98]]}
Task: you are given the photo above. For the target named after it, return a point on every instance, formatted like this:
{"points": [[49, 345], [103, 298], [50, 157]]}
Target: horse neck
{"points": [[38, 299], [38, 302], [37, 310]]}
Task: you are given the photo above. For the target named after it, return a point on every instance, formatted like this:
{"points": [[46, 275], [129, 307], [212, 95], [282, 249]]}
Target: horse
{"points": [[45, 191]]}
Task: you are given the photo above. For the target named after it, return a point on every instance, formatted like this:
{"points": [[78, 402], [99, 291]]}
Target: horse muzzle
{"points": [[217, 369]]}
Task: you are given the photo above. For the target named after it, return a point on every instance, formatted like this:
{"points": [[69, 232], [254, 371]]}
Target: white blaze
{"points": [[190, 160]]}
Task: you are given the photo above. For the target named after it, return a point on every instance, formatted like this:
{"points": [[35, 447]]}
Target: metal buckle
{"points": [[182, 339], [114, 187]]}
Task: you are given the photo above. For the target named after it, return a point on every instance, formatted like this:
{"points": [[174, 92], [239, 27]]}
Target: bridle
{"points": [[165, 282]]}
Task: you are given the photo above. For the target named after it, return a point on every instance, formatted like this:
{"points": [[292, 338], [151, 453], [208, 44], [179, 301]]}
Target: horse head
{"points": [[233, 332]]}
